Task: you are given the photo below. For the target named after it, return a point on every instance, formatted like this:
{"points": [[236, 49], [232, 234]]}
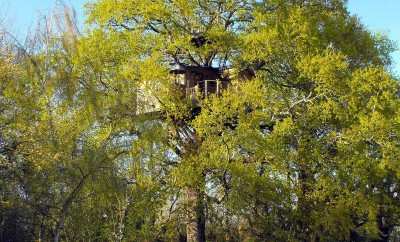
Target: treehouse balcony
{"points": [[197, 81]]}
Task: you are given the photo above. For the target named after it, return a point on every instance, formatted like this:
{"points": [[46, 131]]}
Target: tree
{"points": [[305, 76], [51, 146], [65, 159]]}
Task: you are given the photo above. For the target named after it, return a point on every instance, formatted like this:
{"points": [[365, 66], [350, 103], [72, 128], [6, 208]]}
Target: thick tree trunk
{"points": [[305, 234], [195, 227]]}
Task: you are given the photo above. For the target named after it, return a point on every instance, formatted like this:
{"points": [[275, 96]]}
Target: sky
{"points": [[20, 15], [378, 15]]}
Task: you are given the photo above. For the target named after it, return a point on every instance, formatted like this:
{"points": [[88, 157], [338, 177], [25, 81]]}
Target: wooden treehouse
{"points": [[195, 81]]}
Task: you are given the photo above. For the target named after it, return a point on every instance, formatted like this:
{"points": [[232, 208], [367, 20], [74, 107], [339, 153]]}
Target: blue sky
{"points": [[20, 15], [377, 15], [380, 16]]}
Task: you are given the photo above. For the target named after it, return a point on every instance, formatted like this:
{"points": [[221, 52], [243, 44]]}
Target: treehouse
{"points": [[194, 82], [197, 80]]}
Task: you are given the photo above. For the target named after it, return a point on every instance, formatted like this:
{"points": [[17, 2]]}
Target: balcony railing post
{"points": [[205, 88]]}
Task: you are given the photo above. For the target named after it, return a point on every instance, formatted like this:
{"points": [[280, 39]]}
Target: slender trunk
{"points": [[42, 231], [195, 227], [2, 223], [123, 214], [59, 228], [384, 226], [65, 208]]}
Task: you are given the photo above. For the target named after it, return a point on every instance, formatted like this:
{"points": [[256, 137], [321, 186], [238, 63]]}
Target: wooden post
{"points": [[205, 88], [187, 85]]}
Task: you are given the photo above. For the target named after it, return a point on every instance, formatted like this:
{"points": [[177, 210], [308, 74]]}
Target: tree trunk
{"points": [[59, 229], [195, 227], [65, 208], [384, 226], [305, 234]]}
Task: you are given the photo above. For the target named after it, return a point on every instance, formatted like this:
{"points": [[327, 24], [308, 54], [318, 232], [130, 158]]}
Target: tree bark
{"points": [[65, 208], [195, 227]]}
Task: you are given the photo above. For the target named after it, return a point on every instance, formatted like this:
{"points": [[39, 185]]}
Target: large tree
{"points": [[291, 150]]}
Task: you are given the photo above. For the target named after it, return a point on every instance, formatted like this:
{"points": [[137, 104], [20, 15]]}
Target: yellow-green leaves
{"points": [[373, 89], [99, 143], [328, 72]]}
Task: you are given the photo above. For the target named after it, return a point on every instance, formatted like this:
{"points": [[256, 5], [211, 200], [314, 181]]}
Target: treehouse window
{"points": [[180, 79]]}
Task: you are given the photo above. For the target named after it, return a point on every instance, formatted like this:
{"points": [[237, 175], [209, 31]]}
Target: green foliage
{"points": [[98, 144]]}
